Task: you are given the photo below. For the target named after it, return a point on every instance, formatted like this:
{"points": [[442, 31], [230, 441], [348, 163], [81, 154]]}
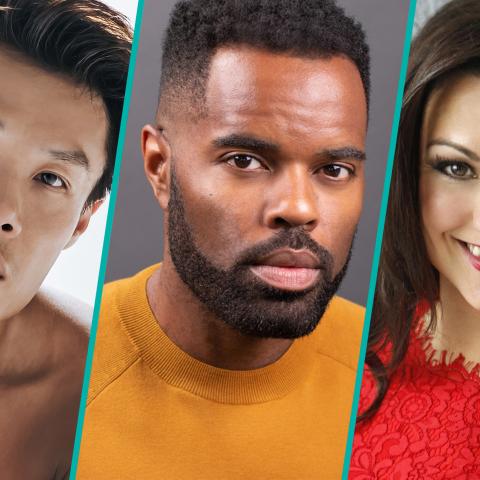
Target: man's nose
{"points": [[292, 201], [10, 225]]}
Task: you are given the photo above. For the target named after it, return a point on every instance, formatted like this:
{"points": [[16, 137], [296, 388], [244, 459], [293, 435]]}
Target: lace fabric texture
{"points": [[428, 426]]}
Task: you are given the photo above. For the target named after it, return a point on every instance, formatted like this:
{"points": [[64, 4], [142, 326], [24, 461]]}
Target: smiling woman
{"points": [[420, 399], [450, 207]]}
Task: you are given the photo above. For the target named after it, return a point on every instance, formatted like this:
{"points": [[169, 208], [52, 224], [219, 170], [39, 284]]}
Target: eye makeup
{"points": [[453, 168]]}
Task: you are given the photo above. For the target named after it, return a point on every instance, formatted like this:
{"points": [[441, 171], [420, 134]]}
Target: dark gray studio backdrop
{"points": [[136, 240]]}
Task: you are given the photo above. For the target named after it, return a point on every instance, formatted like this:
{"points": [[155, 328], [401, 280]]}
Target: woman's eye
{"points": [[457, 170], [338, 172], [245, 162], [50, 179]]}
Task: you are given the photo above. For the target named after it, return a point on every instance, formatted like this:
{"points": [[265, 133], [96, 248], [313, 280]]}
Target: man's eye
{"points": [[245, 162], [51, 180], [337, 172]]}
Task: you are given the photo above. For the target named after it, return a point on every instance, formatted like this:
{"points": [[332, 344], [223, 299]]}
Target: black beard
{"points": [[236, 295]]}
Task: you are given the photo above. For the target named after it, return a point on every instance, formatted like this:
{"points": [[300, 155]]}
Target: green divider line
{"points": [[378, 240], [106, 241]]}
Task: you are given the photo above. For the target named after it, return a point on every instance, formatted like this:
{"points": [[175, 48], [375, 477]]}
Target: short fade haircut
{"points": [[303, 28], [84, 40]]}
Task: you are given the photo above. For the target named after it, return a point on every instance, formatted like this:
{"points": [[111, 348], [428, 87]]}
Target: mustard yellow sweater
{"points": [[154, 412]]}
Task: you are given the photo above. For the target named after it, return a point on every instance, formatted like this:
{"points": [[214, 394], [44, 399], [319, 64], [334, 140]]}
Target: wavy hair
{"points": [[448, 44]]}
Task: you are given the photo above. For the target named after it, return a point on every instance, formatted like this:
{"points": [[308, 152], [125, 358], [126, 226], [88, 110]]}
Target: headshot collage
{"points": [[240, 239]]}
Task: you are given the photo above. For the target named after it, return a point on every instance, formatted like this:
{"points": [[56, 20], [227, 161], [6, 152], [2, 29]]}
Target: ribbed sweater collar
{"points": [[179, 369]]}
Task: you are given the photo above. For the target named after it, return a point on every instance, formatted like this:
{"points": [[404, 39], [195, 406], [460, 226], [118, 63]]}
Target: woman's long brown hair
{"points": [[448, 44]]}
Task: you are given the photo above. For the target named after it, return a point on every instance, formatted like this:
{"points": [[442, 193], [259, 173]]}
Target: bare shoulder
{"points": [[44, 360], [49, 335], [65, 310], [66, 320]]}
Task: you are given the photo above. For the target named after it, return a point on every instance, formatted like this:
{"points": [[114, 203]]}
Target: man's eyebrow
{"points": [[343, 153], [447, 143], [75, 157], [248, 142]]}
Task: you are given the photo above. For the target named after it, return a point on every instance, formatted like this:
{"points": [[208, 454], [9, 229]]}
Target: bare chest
{"points": [[30, 440]]}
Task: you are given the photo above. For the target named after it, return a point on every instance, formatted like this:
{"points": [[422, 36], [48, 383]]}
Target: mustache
{"points": [[294, 238]]}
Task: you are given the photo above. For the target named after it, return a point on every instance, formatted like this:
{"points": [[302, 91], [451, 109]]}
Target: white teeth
{"points": [[474, 249]]}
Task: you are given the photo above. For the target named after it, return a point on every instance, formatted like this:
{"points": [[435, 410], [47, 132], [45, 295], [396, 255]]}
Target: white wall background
{"points": [[76, 270]]}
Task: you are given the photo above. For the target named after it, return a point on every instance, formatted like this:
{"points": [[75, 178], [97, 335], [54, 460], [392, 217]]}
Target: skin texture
{"points": [[249, 303], [305, 107], [42, 197], [450, 207]]}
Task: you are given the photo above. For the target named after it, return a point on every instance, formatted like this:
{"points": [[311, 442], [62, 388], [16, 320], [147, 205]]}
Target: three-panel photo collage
{"points": [[240, 239]]}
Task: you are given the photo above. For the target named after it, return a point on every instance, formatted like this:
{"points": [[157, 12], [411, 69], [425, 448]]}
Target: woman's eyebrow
{"points": [[447, 143]]}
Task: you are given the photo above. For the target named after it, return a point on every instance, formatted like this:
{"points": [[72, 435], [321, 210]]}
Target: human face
{"points": [[52, 152], [245, 301], [450, 186], [280, 150]]}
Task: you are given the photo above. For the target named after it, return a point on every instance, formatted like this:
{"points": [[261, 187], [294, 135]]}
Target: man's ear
{"points": [[84, 220], [156, 161]]}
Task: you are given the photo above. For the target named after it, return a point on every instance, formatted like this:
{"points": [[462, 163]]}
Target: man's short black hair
{"points": [[304, 28], [84, 40]]}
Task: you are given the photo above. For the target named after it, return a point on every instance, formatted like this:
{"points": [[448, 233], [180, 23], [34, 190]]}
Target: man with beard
{"points": [[257, 159]]}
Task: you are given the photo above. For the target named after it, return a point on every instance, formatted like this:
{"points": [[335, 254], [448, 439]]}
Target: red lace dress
{"points": [[428, 426]]}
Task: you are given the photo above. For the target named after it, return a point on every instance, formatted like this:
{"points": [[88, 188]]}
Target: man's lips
{"points": [[287, 269], [288, 257]]}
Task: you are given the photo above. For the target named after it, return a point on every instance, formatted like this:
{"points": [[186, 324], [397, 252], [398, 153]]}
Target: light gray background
{"points": [[136, 240], [424, 10]]}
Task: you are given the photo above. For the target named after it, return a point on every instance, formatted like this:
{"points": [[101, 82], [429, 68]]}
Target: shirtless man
{"points": [[63, 70]]}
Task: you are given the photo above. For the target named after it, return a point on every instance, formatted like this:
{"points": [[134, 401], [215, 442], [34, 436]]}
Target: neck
{"points": [[23, 338], [458, 325], [198, 332]]}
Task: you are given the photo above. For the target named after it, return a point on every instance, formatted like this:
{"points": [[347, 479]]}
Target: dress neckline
{"points": [[422, 353]]}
